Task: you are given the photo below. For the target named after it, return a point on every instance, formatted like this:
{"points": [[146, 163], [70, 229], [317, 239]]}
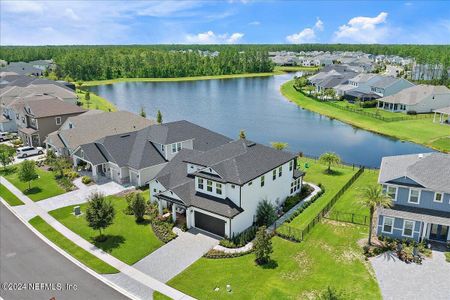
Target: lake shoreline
{"points": [[319, 108]]}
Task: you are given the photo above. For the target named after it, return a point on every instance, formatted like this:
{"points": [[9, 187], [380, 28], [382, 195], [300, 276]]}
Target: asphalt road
{"points": [[25, 258]]}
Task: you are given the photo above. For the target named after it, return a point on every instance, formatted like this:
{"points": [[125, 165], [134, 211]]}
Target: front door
{"points": [[438, 232]]}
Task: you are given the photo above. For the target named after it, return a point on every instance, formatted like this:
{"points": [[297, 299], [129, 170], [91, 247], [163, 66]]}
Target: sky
{"points": [[223, 22]]}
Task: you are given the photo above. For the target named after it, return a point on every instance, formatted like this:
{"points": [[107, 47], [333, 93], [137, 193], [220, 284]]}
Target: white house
{"points": [[219, 190], [387, 85], [420, 99]]}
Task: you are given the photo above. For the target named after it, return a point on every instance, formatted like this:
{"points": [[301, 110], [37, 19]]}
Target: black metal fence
{"points": [[348, 217], [296, 234]]}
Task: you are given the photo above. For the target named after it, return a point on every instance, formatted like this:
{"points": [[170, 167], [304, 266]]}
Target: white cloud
{"points": [[254, 23], [22, 6], [210, 37], [363, 29], [166, 8], [68, 12], [307, 35]]}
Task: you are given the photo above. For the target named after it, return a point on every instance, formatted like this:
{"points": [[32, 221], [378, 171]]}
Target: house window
{"points": [[209, 185], [262, 180], [414, 196], [58, 120], [174, 148], [274, 174], [232, 186], [392, 192], [291, 165], [162, 148], [154, 191], [178, 147], [280, 171], [250, 183], [200, 184], [218, 188], [408, 227], [438, 197], [388, 225]]}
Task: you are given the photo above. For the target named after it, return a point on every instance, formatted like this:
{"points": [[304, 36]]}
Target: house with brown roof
{"points": [[38, 115]]}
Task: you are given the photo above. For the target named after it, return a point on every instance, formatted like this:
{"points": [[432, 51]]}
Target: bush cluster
{"points": [[163, 230], [241, 239], [291, 201], [216, 254], [86, 179], [306, 205]]}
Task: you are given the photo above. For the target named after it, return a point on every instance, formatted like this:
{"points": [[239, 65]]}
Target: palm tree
{"points": [[330, 158], [373, 198], [242, 135]]}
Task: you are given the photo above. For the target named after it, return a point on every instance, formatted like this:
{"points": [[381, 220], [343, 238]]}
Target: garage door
{"points": [[208, 223]]}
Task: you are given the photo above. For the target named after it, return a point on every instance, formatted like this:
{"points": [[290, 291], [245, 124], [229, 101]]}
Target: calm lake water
{"points": [[256, 106]]}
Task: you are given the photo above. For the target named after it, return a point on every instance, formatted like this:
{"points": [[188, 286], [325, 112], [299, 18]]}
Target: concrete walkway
{"points": [[398, 280], [149, 282]]}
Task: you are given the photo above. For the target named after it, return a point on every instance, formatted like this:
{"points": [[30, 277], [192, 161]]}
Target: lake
{"points": [[256, 106]]}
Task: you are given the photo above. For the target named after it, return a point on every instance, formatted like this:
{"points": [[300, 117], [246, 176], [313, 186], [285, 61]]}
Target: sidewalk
{"points": [[148, 281]]}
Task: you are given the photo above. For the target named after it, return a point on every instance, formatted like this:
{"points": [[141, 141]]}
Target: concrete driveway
{"points": [[399, 280], [169, 260]]}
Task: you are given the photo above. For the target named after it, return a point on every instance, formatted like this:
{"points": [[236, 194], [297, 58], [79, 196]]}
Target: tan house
{"points": [[38, 115]]}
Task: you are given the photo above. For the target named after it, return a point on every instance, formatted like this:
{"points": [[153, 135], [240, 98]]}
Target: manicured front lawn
{"points": [[316, 173], [42, 188], [329, 256], [80, 254], [9, 197], [421, 131], [127, 240]]}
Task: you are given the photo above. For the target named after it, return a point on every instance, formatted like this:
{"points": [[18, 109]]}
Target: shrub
{"points": [[163, 230], [262, 246], [216, 254], [265, 213], [139, 206], [86, 179], [369, 104], [411, 112], [65, 183], [241, 239], [71, 175], [129, 199]]}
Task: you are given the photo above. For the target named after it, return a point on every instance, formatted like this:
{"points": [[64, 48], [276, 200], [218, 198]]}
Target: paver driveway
{"points": [[398, 280]]}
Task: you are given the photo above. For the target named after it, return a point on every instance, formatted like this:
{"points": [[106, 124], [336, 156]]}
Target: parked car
{"points": [[29, 151], [4, 136]]}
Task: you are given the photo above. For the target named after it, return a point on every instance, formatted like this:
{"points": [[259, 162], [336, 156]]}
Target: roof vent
{"points": [[420, 155], [124, 135]]}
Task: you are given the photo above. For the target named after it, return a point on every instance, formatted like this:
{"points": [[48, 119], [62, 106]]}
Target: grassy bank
{"points": [[126, 240], [78, 253], [420, 131], [296, 68], [96, 102], [193, 78]]}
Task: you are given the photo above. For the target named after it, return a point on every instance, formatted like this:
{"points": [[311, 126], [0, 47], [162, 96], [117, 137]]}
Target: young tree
{"points": [[373, 198], [59, 164], [279, 145], [99, 213], [6, 155], [262, 246], [242, 135], [143, 113], [87, 97], [139, 207], [331, 294], [79, 83], [265, 213], [330, 158], [27, 172], [159, 117]]}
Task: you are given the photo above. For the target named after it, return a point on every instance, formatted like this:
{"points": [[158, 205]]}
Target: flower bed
{"points": [[163, 230], [291, 201], [241, 239], [216, 254]]}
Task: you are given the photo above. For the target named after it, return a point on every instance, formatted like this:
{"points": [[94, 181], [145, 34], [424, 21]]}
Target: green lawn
{"points": [[296, 68], [349, 202], [127, 240], [329, 256], [80, 254], [42, 188], [421, 131], [316, 173], [96, 102], [9, 197]]}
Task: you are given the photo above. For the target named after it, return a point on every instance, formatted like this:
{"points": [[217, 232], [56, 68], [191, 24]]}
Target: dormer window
{"points": [[209, 184], [58, 120], [200, 184], [218, 188], [176, 147]]}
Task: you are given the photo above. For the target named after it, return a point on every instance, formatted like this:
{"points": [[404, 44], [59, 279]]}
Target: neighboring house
{"points": [[387, 85], [419, 185], [38, 115], [22, 68], [136, 157], [420, 99], [444, 115], [219, 190], [91, 126], [331, 82]]}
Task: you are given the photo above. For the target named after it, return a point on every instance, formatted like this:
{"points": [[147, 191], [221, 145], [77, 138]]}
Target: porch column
{"points": [[160, 207], [434, 117], [448, 234], [424, 230], [174, 213], [94, 171]]}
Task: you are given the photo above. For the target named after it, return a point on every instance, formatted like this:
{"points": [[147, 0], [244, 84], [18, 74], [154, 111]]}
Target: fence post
{"points": [[353, 215]]}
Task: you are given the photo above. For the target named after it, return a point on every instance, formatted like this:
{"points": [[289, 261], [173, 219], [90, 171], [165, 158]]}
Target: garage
{"points": [[209, 223]]}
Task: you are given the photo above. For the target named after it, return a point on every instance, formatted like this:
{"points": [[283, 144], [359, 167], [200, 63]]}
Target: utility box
{"points": [[77, 210]]}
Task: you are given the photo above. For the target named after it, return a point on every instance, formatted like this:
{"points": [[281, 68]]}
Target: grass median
{"points": [[75, 251], [9, 197]]}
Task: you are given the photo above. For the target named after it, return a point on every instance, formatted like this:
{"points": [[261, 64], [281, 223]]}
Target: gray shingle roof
{"points": [[92, 154], [430, 170], [42, 107], [241, 161], [416, 94]]}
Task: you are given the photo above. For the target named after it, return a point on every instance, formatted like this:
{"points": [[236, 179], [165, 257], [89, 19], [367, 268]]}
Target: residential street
{"points": [[25, 258]]}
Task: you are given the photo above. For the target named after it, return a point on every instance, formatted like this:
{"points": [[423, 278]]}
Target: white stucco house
{"points": [[219, 190]]}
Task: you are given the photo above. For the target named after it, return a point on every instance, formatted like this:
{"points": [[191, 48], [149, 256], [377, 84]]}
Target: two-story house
{"points": [[219, 190], [419, 185], [38, 115], [136, 157]]}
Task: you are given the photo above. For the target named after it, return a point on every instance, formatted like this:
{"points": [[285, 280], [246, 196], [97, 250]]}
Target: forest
{"points": [[109, 62]]}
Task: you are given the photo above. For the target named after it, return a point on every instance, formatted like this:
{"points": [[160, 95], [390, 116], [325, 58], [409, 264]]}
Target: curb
{"points": [[68, 256]]}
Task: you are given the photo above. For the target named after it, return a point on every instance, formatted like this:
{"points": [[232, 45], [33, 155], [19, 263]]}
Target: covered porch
{"points": [[394, 107], [176, 208], [443, 115], [30, 136]]}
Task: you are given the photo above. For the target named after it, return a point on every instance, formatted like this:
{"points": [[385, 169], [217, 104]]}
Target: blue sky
{"points": [[233, 21]]}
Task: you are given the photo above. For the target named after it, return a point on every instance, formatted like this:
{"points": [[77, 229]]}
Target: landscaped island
{"points": [[421, 130]]}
